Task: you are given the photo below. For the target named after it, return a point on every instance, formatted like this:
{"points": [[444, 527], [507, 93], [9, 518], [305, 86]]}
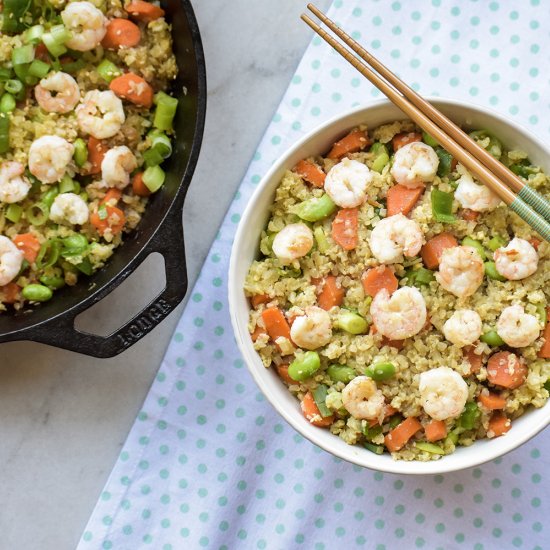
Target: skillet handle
{"points": [[168, 241]]}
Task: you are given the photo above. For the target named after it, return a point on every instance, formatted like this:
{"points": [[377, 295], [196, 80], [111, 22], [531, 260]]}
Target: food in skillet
{"points": [[398, 299], [85, 123]]}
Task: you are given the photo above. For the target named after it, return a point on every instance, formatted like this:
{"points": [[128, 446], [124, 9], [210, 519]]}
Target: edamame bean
{"points": [[52, 281], [341, 373], [37, 293], [492, 338], [352, 322], [429, 140], [467, 241], [381, 371], [315, 209], [304, 366], [491, 271]]}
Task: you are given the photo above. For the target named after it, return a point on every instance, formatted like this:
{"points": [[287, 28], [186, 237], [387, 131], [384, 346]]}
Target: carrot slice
{"points": [[121, 33], [469, 215], [400, 435], [331, 294], [388, 411], [344, 228], [544, 352], [28, 244], [435, 430], [312, 414], [258, 299], [96, 153], [400, 140], [275, 323], [378, 278], [499, 424], [506, 369], [535, 243], [475, 360], [144, 11], [311, 173], [401, 199], [112, 196], [355, 141], [9, 294], [138, 187], [282, 371], [491, 400], [431, 252], [133, 88], [397, 344], [114, 219]]}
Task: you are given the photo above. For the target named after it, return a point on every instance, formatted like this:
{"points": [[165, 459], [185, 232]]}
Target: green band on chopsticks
{"points": [[540, 204], [527, 214]]}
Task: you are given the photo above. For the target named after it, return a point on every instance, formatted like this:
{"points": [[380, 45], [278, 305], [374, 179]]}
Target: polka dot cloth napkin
{"points": [[208, 462]]}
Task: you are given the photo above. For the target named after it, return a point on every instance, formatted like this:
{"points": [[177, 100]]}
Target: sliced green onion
{"points": [[421, 276], [468, 418], [13, 86], [7, 103], [67, 184], [153, 178], [48, 254], [351, 322], [13, 213], [442, 206], [22, 72], [33, 35], [429, 140], [395, 420], [468, 241], [73, 66], [541, 312], [496, 242], [429, 448], [492, 338], [381, 158], [152, 157], [85, 267], [13, 12], [49, 196], [376, 449], [491, 272], [165, 111], [37, 214], [161, 143], [107, 70], [370, 432], [445, 162], [55, 40], [80, 154], [22, 55], [320, 395], [315, 209], [4, 133], [5, 74], [39, 69]]}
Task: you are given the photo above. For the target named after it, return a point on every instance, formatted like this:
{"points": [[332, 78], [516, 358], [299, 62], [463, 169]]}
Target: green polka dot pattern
{"points": [[208, 462]]}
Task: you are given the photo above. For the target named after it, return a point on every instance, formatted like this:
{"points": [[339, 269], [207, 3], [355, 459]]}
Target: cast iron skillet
{"points": [[160, 229]]}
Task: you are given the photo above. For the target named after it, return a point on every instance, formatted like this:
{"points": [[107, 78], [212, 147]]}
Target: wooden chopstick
{"points": [[464, 157], [539, 203]]}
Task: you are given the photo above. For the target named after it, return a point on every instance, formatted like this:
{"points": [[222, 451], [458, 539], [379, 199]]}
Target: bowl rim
{"points": [[316, 436]]}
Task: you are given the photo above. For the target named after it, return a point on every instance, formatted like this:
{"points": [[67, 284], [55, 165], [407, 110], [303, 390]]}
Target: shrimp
{"points": [[346, 183], [472, 195], [517, 328], [14, 187], [362, 399], [11, 259], [460, 270], [66, 93], [463, 327], [401, 315], [394, 236], [414, 164], [49, 157], [87, 26], [312, 330], [516, 261], [117, 165], [69, 208], [100, 114], [443, 393], [292, 242]]}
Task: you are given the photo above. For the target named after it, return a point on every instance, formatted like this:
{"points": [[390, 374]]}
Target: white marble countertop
{"points": [[65, 416]]}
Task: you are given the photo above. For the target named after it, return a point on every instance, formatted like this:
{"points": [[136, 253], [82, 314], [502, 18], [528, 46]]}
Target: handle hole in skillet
{"points": [[108, 315]]}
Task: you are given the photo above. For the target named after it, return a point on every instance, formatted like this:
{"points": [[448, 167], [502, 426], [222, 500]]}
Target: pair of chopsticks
{"points": [[532, 207]]}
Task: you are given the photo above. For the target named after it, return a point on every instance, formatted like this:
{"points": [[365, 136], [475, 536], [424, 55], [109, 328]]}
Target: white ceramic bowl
{"points": [[245, 250]]}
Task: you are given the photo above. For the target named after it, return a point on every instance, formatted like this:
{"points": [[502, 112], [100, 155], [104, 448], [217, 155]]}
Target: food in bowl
{"points": [[85, 123], [398, 299]]}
